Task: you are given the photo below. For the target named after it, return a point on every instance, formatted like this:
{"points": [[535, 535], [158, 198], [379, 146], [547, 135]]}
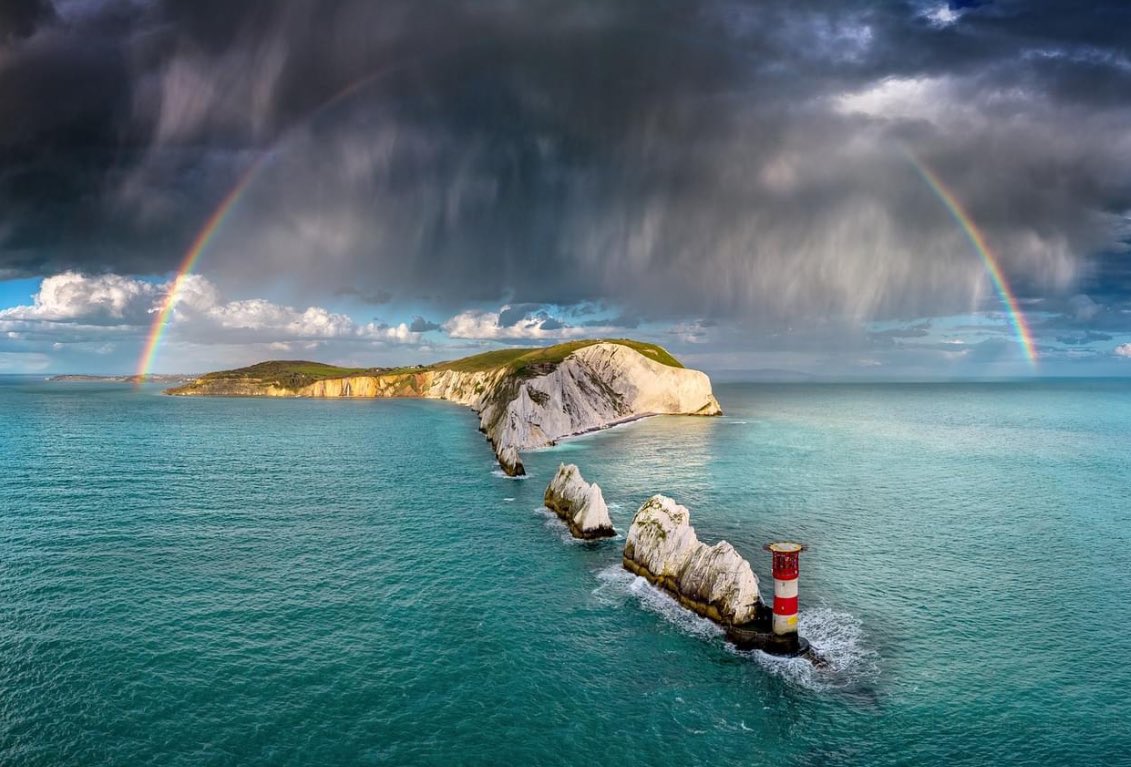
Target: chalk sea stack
{"points": [[525, 398], [714, 581], [579, 503], [510, 462]]}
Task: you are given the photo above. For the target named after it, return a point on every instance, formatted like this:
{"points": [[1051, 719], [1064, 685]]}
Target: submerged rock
{"points": [[579, 503], [714, 581]]}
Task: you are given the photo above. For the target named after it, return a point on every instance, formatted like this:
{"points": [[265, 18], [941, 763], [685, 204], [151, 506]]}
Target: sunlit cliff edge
{"points": [[525, 398]]}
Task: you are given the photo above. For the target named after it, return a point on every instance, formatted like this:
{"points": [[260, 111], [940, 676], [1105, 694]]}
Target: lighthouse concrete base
{"points": [[753, 636]]}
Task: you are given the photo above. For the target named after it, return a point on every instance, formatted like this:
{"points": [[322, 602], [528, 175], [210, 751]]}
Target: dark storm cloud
{"points": [[1082, 319], [1086, 337], [513, 314], [625, 321], [375, 297], [676, 159], [421, 325], [19, 18], [917, 330], [889, 337]]}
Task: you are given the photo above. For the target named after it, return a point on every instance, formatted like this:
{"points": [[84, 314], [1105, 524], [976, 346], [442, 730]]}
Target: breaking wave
{"points": [[618, 586], [556, 524], [838, 637]]}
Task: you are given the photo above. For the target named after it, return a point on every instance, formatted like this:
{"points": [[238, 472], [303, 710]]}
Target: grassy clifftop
{"points": [[295, 374], [519, 359]]}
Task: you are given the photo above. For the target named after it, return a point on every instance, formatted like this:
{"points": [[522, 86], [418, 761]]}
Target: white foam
{"points": [[504, 475], [557, 524], [838, 638], [618, 585]]}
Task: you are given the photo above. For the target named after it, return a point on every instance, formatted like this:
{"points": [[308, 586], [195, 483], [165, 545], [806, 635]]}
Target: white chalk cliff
{"points": [[579, 503], [715, 581], [591, 388]]}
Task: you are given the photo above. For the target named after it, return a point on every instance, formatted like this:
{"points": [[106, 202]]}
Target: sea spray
{"points": [[837, 636], [619, 586]]}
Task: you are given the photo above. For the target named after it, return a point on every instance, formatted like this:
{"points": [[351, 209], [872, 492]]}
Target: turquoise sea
{"points": [[296, 582]]}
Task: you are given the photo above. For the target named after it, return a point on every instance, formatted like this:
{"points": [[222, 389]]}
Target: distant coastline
{"points": [[147, 378]]}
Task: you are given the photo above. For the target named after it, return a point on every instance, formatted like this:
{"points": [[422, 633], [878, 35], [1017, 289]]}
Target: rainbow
{"points": [[978, 240], [220, 214], [161, 317]]}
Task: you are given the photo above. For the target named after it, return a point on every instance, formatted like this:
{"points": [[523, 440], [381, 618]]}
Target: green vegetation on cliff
{"points": [[287, 374], [522, 362]]}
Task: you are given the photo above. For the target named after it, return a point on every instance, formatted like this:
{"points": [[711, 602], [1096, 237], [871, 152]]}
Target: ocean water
{"points": [[226, 581]]}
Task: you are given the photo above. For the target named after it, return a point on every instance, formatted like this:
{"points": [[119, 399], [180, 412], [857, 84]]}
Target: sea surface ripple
{"points": [[245, 581]]}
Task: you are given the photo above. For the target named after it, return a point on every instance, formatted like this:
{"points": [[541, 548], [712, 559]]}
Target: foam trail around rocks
{"points": [[503, 475], [839, 639], [618, 586], [837, 636], [555, 523]]}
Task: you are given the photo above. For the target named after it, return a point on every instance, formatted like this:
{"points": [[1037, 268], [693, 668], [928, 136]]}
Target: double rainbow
{"points": [[221, 213]]}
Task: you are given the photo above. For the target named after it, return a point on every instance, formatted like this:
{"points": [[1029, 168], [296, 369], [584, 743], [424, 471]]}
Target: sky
{"points": [[386, 182]]}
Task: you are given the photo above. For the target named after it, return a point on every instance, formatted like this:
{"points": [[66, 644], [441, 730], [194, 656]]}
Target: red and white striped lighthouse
{"points": [[785, 568]]}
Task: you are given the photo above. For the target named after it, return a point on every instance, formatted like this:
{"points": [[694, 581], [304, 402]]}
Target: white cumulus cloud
{"points": [[898, 98], [400, 333], [99, 299], [1123, 350], [82, 306], [943, 15], [485, 325]]}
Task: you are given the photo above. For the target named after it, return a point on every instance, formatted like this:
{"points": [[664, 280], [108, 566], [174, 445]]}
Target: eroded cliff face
{"points": [[580, 504], [714, 581], [465, 388], [594, 387]]}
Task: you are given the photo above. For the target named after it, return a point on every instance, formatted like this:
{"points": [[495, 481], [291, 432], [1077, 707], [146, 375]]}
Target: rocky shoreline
{"points": [[590, 388]]}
